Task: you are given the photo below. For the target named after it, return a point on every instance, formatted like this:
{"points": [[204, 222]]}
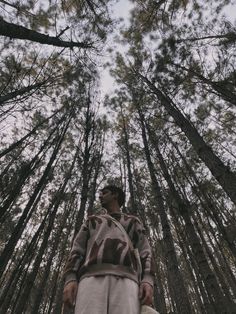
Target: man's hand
{"points": [[69, 293], [145, 293]]}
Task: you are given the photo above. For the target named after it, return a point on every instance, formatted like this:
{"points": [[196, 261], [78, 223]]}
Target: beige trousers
{"points": [[107, 295]]}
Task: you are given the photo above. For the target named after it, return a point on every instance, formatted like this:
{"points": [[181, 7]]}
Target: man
{"points": [[101, 275]]}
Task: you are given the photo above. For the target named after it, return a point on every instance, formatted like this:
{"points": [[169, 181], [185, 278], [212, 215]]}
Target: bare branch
{"points": [[16, 31]]}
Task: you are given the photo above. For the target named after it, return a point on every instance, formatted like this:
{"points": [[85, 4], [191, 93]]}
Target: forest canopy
{"points": [[164, 133]]}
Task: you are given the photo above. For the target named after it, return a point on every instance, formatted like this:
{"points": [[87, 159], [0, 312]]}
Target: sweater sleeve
{"points": [[77, 254], [145, 252]]}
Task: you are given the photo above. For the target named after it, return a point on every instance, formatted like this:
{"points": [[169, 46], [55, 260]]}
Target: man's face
{"points": [[106, 197]]}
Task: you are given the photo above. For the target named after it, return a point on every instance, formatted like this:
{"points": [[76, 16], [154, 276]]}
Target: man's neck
{"points": [[113, 208]]}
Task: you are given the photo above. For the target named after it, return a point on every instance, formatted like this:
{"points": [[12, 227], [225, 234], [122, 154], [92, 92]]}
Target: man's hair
{"points": [[119, 191]]}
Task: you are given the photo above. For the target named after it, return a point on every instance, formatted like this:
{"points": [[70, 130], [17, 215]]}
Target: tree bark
{"points": [[18, 274], [33, 131], [25, 171], [57, 239], [228, 37], [206, 201], [21, 91], [20, 32], [225, 285], [22, 302], [86, 164], [28, 284], [10, 246], [54, 302], [177, 287], [222, 173], [128, 161], [221, 91], [182, 207]]}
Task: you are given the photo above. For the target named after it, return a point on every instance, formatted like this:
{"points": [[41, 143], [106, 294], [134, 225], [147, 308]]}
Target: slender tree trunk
{"points": [[17, 277], [40, 288], [26, 171], [203, 307], [33, 131], [182, 206], [206, 299], [24, 297], [223, 262], [22, 91], [217, 87], [42, 285], [86, 165], [10, 246], [128, 162], [225, 285], [55, 298], [177, 287], [228, 37], [159, 296], [206, 201], [93, 186], [222, 173], [56, 203]]}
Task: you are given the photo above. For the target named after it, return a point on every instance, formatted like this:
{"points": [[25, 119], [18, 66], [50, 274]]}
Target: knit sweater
{"points": [[101, 248]]}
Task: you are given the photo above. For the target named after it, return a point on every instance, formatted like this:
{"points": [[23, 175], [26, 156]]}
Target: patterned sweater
{"points": [[101, 248]]}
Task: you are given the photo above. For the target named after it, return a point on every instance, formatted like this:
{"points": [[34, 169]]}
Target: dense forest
{"points": [[165, 134]]}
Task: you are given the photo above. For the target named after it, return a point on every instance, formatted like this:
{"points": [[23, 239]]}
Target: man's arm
{"points": [[74, 262], [147, 262]]}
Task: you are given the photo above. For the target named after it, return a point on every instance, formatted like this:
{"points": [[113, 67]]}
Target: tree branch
{"points": [[20, 92], [16, 31], [229, 37]]}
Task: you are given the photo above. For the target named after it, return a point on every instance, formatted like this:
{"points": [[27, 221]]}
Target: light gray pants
{"points": [[107, 295]]}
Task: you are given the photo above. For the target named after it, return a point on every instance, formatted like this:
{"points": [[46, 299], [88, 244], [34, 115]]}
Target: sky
{"points": [[120, 10]]}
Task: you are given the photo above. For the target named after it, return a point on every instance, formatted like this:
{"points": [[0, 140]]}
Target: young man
{"points": [[101, 275]]}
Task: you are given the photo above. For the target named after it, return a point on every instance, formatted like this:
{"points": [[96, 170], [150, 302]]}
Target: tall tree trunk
{"points": [[33, 131], [218, 87], [40, 288], [128, 162], [182, 206], [17, 275], [86, 165], [22, 303], [28, 284], [10, 246], [207, 301], [177, 287], [93, 185], [205, 200], [224, 285], [159, 295], [42, 285], [222, 173], [26, 171], [199, 293], [55, 298]]}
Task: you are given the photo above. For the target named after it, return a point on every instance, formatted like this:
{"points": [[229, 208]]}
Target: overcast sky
{"points": [[121, 10]]}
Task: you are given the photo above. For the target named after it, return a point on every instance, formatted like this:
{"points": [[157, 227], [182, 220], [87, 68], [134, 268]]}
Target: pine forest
{"points": [[160, 123]]}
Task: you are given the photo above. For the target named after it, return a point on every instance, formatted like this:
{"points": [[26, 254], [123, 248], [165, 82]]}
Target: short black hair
{"points": [[119, 191]]}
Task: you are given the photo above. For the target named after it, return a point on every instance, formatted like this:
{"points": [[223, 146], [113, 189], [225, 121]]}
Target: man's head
{"points": [[111, 193]]}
